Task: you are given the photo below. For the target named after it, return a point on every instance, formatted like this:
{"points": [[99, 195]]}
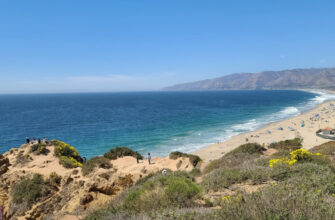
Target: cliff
{"points": [[40, 181]]}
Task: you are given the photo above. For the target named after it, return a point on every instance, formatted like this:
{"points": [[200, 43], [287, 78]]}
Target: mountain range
{"points": [[313, 78]]}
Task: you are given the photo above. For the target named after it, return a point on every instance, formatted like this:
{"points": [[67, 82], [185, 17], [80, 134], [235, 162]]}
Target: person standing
{"points": [[149, 158], [27, 140]]}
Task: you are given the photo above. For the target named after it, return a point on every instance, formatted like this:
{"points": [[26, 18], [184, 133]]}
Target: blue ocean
{"points": [[156, 122]]}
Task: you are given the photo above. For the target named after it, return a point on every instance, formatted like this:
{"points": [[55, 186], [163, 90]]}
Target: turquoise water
{"points": [[156, 122]]}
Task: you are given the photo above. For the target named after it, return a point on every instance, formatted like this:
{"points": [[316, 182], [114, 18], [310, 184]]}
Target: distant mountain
{"points": [[314, 78]]}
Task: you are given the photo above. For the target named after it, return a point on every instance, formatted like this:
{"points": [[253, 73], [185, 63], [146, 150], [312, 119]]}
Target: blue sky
{"points": [[92, 46]]}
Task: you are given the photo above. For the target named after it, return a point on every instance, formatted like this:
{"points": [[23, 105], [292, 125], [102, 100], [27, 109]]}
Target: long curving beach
{"points": [[304, 125]]}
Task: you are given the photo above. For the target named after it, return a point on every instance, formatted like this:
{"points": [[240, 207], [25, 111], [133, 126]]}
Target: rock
{"points": [[104, 175], [105, 189], [86, 199], [67, 179], [75, 172], [81, 182], [4, 164]]}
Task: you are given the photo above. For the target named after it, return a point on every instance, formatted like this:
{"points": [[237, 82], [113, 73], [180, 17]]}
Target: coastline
{"points": [[291, 128]]}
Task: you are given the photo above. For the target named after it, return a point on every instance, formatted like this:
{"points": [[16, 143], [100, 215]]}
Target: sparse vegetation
{"points": [[22, 158], [250, 148], [39, 149], [29, 190], [54, 179], [194, 159], [95, 162], [326, 148], [117, 152], [301, 190], [288, 145]]}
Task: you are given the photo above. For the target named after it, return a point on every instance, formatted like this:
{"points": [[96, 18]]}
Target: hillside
{"points": [[315, 78], [278, 181], [49, 181]]}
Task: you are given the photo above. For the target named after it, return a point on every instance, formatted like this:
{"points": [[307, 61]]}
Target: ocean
{"points": [[156, 122]]}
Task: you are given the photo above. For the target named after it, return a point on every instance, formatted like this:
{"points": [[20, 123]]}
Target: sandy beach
{"points": [[304, 125]]}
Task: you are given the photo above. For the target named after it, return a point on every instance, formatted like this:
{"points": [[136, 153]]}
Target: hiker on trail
{"points": [[138, 157], [39, 140], [27, 140], [149, 158]]}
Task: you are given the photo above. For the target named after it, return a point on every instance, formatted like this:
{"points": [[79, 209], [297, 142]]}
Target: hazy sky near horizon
{"points": [[129, 45]]}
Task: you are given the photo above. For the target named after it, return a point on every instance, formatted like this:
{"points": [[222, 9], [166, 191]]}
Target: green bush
{"points": [[117, 152], [91, 164], [194, 159], [288, 145], [29, 190], [161, 191], [64, 149], [223, 178], [68, 155], [39, 149], [69, 162], [250, 148], [180, 190]]}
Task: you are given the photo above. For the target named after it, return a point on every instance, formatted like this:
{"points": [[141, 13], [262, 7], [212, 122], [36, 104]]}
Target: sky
{"points": [[142, 45]]}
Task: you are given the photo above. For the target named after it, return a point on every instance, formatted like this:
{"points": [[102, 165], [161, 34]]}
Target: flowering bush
{"points": [[296, 155], [68, 155]]}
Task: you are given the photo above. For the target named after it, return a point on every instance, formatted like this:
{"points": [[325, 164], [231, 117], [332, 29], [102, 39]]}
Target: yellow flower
{"points": [[333, 194], [225, 197], [319, 190]]}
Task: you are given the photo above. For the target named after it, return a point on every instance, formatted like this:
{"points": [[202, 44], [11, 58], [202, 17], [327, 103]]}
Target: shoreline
{"points": [[291, 128]]}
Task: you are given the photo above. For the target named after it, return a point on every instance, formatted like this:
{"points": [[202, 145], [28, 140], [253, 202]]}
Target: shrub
{"points": [[194, 159], [223, 178], [250, 148], [307, 194], [180, 190], [29, 190], [299, 155], [231, 161], [39, 149], [69, 162], [91, 164], [326, 148], [68, 155], [161, 191], [64, 149], [54, 179], [117, 152], [288, 145]]}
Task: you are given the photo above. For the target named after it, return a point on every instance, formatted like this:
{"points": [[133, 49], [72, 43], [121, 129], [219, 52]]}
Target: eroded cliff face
{"points": [[60, 190]]}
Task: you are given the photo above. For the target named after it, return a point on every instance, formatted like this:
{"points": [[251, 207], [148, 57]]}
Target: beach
{"points": [[304, 126]]}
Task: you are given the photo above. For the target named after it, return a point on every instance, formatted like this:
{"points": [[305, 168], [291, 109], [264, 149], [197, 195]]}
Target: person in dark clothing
{"points": [[149, 158], [27, 140], [39, 140], [138, 157]]}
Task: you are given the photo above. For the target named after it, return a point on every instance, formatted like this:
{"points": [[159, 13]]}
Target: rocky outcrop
{"points": [[4, 164], [66, 190]]}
